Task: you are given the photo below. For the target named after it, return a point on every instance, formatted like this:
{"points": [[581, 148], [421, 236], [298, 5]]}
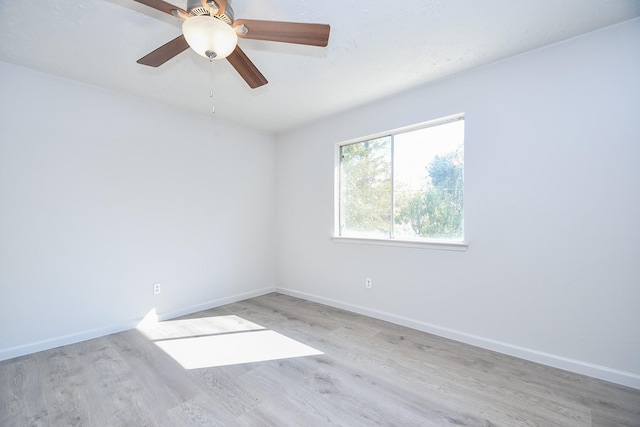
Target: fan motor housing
{"points": [[196, 8]]}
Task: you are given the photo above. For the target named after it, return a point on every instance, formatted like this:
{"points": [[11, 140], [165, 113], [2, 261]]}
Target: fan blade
{"points": [[165, 7], [286, 32], [243, 65], [164, 52]]}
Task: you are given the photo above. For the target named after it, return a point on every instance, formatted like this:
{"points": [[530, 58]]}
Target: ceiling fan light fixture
{"points": [[206, 34]]}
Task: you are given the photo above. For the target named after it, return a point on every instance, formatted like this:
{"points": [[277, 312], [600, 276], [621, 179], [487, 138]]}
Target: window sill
{"points": [[417, 244]]}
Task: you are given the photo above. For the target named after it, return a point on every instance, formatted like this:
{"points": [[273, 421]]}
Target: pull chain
{"points": [[213, 107]]}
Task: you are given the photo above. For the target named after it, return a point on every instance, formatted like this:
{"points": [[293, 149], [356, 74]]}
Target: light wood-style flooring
{"points": [[365, 372]]}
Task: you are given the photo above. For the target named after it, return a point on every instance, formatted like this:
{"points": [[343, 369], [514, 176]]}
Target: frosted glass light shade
{"points": [[208, 34]]}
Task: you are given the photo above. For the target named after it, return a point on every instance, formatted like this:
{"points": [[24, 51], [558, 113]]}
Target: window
{"points": [[404, 185]]}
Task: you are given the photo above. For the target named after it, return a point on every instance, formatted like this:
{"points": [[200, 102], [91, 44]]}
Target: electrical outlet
{"points": [[156, 288], [367, 283]]}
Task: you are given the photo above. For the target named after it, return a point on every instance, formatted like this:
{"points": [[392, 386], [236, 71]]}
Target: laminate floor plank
{"points": [[613, 405], [485, 383], [202, 410], [364, 372], [120, 393], [67, 393], [459, 390], [21, 394], [166, 382], [232, 391]]}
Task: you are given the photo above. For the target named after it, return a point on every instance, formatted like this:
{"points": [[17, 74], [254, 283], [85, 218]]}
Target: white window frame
{"points": [[418, 244]]}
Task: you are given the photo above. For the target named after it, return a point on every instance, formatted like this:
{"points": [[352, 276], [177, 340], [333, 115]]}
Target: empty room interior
{"points": [[207, 237]]}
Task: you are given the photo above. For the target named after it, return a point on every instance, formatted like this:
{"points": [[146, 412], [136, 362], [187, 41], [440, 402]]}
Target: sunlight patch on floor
{"points": [[207, 342], [231, 349]]}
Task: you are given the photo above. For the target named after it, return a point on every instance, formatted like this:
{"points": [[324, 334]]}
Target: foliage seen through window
{"points": [[408, 185]]}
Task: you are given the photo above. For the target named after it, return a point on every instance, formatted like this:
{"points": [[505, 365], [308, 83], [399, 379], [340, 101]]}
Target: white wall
{"points": [[552, 210], [102, 195]]}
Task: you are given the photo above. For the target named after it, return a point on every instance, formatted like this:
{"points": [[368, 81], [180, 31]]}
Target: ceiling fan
{"points": [[209, 28]]}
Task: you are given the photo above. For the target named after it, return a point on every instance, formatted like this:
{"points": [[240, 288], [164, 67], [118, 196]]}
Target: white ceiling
{"points": [[376, 48]]}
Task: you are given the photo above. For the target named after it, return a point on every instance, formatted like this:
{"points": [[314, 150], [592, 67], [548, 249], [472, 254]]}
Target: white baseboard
{"points": [[10, 353], [628, 379]]}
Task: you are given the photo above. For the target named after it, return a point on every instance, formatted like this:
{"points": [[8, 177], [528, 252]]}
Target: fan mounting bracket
{"points": [[211, 8]]}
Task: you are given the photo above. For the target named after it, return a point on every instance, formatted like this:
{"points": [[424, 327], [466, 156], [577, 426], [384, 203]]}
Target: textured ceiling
{"points": [[376, 48]]}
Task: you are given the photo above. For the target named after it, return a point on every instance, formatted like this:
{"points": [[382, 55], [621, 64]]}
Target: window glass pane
{"points": [[365, 189], [428, 180], [408, 185]]}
